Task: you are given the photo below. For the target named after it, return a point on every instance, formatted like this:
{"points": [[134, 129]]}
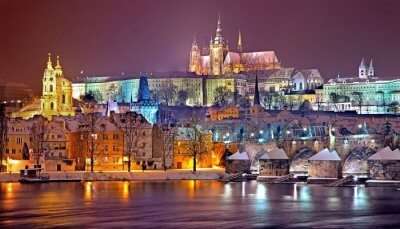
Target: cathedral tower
{"points": [[194, 59], [218, 51]]}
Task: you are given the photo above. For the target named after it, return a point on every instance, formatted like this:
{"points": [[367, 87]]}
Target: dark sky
{"points": [[114, 36]]}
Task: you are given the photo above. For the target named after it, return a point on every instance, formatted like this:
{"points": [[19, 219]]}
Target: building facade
{"points": [[365, 94]]}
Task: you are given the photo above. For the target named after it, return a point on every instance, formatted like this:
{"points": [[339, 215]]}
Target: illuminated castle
{"points": [[220, 60], [56, 92]]}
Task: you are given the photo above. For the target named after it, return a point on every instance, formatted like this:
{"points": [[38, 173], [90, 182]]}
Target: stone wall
{"points": [[237, 166], [324, 169], [274, 167], [384, 170]]}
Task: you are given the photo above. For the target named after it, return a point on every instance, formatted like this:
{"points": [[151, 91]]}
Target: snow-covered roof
{"points": [[239, 156], [275, 153], [325, 155], [386, 154]]}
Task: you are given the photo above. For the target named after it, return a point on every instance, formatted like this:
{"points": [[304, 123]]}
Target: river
{"points": [[195, 204]]}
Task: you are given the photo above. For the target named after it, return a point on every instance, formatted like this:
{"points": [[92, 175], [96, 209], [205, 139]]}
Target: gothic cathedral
{"points": [[220, 60]]}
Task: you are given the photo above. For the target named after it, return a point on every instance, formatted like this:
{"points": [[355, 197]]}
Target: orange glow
{"points": [[125, 190], [88, 191]]}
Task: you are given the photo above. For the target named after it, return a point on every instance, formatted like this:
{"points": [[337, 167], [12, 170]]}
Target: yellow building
{"points": [[56, 99], [56, 92], [184, 146], [221, 113]]}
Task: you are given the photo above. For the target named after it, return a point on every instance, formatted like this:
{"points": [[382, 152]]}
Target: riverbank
{"points": [[136, 175]]}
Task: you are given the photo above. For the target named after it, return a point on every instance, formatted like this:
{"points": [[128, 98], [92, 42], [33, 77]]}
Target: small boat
{"points": [[33, 176]]}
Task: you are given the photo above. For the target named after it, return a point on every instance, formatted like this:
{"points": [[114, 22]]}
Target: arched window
{"points": [[63, 99], [52, 106], [51, 88]]}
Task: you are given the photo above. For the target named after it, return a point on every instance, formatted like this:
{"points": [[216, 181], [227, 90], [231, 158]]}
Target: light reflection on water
{"points": [[195, 204]]}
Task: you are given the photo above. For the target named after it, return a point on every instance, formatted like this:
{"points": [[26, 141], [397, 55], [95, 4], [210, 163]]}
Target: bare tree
{"points": [[182, 97], [129, 124], [166, 94], [222, 96], [268, 99], [37, 131], [3, 134], [358, 99], [194, 146]]}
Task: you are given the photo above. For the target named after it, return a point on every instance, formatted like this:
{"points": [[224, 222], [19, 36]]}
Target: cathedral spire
{"points": [[49, 63], [219, 39], [239, 44], [194, 43], [256, 93], [371, 71]]}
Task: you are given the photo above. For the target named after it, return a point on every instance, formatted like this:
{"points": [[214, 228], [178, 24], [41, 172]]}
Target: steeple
{"points": [[144, 91], [362, 70], [371, 71], [58, 65], [49, 63], [219, 39], [239, 44], [194, 43], [256, 93]]}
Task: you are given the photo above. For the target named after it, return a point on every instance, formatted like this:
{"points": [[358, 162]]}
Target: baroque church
{"points": [[56, 92], [56, 99], [219, 60]]}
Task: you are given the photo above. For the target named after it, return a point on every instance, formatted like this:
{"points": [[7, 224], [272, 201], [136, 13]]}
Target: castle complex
{"points": [[219, 60]]}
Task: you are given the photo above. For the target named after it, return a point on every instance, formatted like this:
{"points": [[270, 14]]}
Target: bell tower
{"points": [[49, 92]]}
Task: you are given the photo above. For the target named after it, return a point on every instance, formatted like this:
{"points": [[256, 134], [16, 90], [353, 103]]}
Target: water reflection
{"points": [[294, 191], [360, 198], [193, 204], [88, 196], [125, 190]]}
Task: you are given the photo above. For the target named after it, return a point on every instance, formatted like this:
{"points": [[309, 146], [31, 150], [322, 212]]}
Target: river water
{"points": [[196, 204]]}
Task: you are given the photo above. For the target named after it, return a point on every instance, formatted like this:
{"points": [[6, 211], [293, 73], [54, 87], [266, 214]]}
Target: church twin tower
{"points": [[56, 92], [364, 72]]}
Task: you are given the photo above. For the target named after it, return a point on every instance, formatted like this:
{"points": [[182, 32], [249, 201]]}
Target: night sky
{"points": [[114, 36]]}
